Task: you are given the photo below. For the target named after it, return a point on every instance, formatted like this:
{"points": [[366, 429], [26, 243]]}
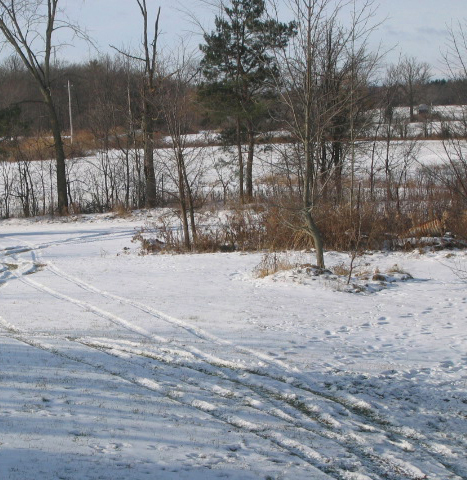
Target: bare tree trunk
{"points": [[240, 160], [182, 198], [59, 157], [387, 166], [337, 162], [148, 147], [191, 206], [411, 102], [317, 238], [308, 204], [372, 165], [249, 165]]}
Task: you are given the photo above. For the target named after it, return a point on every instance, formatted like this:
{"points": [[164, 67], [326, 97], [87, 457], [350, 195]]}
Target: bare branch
{"points": [[127, 55]]}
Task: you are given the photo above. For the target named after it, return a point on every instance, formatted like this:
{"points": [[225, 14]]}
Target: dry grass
{"points": [[41, 146], [341, 269], [273, 262], [121, 211], [396, 269]]}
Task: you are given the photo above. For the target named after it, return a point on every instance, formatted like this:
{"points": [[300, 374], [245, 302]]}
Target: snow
{"points": [[115, 365]]}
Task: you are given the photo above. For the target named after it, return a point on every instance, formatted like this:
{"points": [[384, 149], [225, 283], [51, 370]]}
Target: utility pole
{"points": [[69, 111]]}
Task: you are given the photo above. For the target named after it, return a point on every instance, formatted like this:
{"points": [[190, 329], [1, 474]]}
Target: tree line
{"points": [[110, 79]]}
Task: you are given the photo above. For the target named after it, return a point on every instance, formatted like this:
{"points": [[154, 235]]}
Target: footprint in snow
{"points": [[447, 364], [111, 447]]}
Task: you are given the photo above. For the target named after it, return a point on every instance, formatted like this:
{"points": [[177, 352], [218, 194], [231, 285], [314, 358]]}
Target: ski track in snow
{"points": [[259, 395]]}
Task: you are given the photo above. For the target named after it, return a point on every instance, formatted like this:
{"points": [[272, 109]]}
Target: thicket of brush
{"points": [[275, 223]]}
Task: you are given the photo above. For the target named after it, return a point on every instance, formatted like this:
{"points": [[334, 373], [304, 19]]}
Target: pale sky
{"points": [[418, 28], [412, 27]]}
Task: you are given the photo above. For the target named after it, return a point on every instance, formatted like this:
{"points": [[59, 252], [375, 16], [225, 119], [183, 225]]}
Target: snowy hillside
{"points": [[115, 365]]}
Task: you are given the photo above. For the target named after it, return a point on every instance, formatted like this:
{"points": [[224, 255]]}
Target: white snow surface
{"points": [[120, 366]]}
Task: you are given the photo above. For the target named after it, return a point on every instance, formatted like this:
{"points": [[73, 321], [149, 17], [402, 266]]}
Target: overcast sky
{"points": [[415, 28], [418, 28]]}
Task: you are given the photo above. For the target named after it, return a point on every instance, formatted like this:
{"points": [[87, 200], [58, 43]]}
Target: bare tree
{"points": [[318, 84], [149, 90], [298, 83], [149, 62], [455, 56], [454, 175], [8, 180], [177, 106], [411, 75], [28, 27]]}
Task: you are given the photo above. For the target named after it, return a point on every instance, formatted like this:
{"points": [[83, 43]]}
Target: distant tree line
{"points": [[110, 80]]}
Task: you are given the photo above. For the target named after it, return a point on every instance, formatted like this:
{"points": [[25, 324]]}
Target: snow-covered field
{"points": [[120, 366], [99, 182]]}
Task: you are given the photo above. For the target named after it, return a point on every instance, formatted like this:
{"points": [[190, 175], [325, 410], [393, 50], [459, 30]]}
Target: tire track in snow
{"points": [[388, 468], [276, 438], [34, 250], [297, 380], [12, 267], [195, 331], [286, 444], [74, 240], [12, 252], [385, 465], [212, 361]]}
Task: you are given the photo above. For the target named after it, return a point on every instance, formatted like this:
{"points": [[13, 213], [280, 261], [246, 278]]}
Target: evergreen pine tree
{"points": [[238, 67]]}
